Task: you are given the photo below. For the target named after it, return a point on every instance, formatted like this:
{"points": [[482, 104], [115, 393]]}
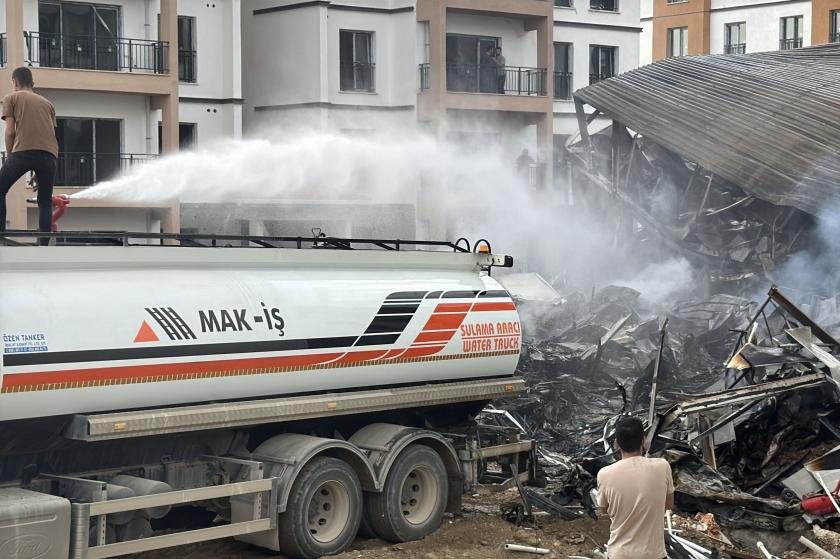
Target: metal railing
{"points": [[187, 66], [424, 76], [739, 48], [788, 44], [91, 52], [532, 174], [833, 38], [87, 169], [358, 77], [562, 85], [502, 80], [595, 78]]}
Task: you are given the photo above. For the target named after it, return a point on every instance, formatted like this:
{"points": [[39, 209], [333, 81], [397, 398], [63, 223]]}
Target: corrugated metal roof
{"points": [[768, 122]]}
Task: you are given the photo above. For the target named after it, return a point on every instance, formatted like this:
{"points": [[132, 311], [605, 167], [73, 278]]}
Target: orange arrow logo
{"points": [[145, 334]]}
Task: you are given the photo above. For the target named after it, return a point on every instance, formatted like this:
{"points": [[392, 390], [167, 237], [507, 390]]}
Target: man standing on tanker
{"points": [[31, 145], [635, 492]]}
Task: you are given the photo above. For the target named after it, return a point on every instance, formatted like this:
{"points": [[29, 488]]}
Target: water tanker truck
{"points": [[159, 390]]}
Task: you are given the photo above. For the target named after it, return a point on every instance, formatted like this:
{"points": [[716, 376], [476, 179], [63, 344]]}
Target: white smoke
{"points": [[479, 192]]}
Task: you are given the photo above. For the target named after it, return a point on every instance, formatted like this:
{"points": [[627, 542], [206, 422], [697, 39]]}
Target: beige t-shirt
{"points": [[633, 491], [35, 121]]}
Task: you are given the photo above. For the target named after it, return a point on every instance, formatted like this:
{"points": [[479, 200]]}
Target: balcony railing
{"points": [[833, 38], [562, 85], [532, 174], [186, 66], [85, 52], [595, 78], [739, 48], [486, 78], [424, 76], [87, 169], [788, 44], [358, 77]]}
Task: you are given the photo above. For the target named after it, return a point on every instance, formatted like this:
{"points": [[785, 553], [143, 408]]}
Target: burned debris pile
{"points": [[745, 401]]}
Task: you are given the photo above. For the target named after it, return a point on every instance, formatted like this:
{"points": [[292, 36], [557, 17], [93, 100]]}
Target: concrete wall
{"points": [[518, 45], [763, 25]]}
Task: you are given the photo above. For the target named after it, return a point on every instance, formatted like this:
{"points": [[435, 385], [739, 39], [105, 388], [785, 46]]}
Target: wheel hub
{"points": [[329, 511], [419, 495]]}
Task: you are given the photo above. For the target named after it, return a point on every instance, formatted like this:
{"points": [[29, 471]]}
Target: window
{"points": [[469, 64], [562, 3], [186, 49], [604, 5], [736, 38], [790, 33], [356, 61], [71, 35], [835, 27], [89, 150], [678, 41], [562, 70], [601, 63], [186, 136]]}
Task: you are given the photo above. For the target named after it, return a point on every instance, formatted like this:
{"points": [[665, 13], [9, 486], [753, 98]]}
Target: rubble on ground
{"points": [[745, 396]]}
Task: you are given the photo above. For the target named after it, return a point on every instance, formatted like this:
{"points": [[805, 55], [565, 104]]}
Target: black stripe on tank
{"points": [[194, 350], [378, 339], [389, 324]]}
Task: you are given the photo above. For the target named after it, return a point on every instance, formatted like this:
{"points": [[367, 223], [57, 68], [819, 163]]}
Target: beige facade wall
{"points": [[693, 14], [821, 20]]}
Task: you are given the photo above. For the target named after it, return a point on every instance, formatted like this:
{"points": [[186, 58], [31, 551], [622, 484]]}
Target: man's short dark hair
{"points": [[23, 76], [629, 433]]}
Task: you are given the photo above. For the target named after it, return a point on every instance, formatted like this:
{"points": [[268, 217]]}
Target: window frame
{"points": [[798, 31], [834, 26], [728, 45], [371, 63], [614, 9], [683, 32], [193, 49], [613, 50]]}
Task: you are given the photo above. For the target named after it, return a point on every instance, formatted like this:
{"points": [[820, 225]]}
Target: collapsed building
{"points": [[731, 162]]}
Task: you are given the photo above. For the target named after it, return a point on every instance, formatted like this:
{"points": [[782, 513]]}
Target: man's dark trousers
{"points": [[43, 164]]}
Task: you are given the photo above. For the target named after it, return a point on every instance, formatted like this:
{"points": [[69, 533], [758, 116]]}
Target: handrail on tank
{"points": [[125, 238]]}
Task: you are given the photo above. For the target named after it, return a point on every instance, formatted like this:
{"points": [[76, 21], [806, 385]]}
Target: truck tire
{"points": [[323, 511], [413, 501]]}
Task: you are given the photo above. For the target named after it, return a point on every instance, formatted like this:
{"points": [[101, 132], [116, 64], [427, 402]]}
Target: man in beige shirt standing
{"points": [[635, 492], [31, 145]]}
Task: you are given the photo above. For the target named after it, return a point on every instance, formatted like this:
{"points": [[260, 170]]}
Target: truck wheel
{"points": [[323, 512], [412, 504]]}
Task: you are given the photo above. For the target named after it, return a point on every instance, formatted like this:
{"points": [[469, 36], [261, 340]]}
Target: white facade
{"points": [[763, 22], [583, 28], [646, 36]]}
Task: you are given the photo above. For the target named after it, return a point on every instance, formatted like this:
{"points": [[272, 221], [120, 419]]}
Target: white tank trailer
{"points": [[153, 396]]}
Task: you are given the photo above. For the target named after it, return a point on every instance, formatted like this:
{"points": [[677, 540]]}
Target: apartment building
{"points": [[357, 66], [130, 80], [689, 27]]}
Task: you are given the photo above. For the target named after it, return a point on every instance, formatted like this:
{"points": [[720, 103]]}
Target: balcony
{"points": [[740, 48], [562, 85], [80, 170], [507, 80], [833, 38], [57, 50], [788, 44]]}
